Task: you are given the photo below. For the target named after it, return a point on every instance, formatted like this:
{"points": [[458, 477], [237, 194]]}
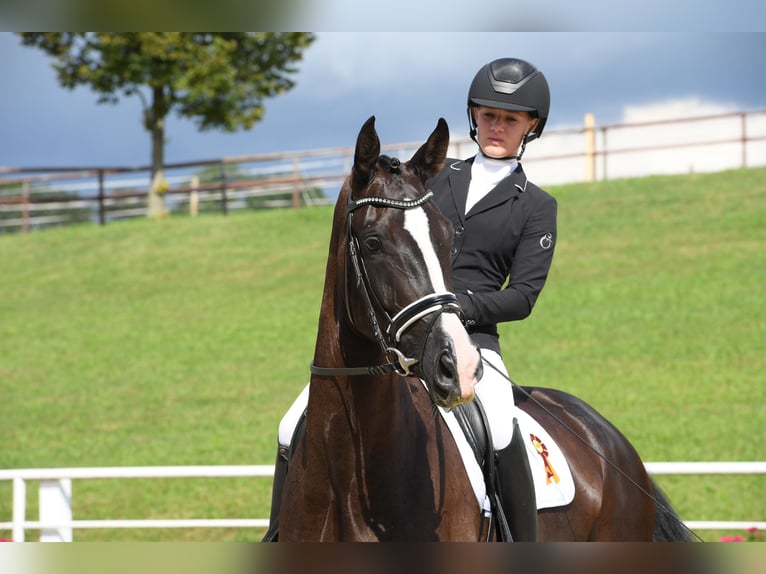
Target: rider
{"points": [[505, 232]]}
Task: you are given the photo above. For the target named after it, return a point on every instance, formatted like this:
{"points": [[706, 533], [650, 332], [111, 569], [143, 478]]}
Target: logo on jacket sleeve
{"points": [[546, 241]]}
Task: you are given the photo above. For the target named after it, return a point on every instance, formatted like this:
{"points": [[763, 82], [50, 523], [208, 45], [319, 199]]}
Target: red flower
{"points": [[737, 538]]}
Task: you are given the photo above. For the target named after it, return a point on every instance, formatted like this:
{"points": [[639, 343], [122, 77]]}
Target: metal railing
{"points": [[56, 522]]}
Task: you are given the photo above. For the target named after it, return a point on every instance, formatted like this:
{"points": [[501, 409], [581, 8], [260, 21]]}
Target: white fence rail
{"points": [[56, 523]]}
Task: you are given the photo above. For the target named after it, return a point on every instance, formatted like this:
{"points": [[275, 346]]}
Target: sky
{"points": [[406, 79]]}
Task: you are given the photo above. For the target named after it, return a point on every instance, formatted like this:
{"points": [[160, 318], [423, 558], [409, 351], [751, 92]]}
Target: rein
{"points": [[590, 447], [398, 324]]}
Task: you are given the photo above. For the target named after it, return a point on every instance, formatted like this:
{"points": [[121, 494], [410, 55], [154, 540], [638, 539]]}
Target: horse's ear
{"points": [[365, 156], [429, 159]]}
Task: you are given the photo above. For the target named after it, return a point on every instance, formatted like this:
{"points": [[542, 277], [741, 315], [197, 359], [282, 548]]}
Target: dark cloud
{"points": [[408, 80]]}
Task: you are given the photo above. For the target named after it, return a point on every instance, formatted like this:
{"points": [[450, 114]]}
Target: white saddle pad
{"points": [[554, 485], [552, 477]]}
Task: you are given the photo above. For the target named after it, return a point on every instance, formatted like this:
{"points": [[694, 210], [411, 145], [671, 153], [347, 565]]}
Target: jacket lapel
{"points": [[508, 189], [459, 179]]}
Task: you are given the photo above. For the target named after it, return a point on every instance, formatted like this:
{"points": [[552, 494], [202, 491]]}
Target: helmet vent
{"points": [[511, 70]]}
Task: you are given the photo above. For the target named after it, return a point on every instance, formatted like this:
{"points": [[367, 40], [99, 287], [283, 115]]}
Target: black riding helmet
{"points": [[511, 84]]}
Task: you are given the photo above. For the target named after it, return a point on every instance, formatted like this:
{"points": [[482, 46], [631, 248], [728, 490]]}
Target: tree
{"points": [[218, 79]]}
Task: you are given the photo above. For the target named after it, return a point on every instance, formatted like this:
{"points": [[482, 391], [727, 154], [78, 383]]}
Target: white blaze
{"points": [[416, 223]]}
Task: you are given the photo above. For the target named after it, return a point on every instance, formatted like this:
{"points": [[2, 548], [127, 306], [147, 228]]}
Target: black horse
{"points": [[376, 460]]}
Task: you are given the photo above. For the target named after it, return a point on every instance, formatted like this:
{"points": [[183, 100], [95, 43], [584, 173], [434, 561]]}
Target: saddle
{"points": [[507, 476]]}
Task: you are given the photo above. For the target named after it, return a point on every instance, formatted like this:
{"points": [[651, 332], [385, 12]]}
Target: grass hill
{"points": [[183, 341]]}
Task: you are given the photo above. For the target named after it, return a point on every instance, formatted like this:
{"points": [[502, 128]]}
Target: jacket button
{"points": [[453, 251], [459, 230]]}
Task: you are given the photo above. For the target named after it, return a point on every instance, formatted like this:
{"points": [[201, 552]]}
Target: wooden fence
{"points": [[38, 197]]}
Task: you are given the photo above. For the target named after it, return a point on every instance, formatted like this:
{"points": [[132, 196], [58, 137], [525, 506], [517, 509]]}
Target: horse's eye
{"points": [[372, 244]]}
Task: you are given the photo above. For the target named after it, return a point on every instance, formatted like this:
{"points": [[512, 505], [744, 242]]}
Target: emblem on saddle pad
{"points": [[542, 450]]}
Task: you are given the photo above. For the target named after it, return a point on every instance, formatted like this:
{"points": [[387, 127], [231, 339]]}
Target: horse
{"points": [[376, 460]]}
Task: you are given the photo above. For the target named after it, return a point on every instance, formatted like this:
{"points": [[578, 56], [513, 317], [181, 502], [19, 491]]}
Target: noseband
{"points": [[401, 321]]}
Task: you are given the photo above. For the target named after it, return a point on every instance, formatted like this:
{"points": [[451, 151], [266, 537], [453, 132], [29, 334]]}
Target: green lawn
{"points": [[182, 342]]}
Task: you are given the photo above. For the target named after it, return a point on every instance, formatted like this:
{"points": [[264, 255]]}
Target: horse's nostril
{"points": [[447, 365], [447, 371]]}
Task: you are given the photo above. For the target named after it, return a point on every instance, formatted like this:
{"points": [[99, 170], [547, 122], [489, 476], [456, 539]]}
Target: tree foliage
{"points": [[218, 80]]}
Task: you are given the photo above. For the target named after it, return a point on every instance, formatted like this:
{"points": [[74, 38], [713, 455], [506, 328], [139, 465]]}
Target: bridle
{"points": [[435, 303]]}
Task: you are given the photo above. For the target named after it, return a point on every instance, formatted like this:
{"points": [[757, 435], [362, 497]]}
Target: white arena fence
{"points": [[56, 522]]}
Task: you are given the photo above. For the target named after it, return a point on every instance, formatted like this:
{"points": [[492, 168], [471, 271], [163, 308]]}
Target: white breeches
{"points": [[495, 392]]}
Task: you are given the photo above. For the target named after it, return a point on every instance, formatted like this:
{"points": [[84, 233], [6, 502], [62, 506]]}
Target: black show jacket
{"points": [[502, 248]]}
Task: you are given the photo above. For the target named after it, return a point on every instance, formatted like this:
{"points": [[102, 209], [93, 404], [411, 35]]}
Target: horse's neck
{"points": [[373, 406]]}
